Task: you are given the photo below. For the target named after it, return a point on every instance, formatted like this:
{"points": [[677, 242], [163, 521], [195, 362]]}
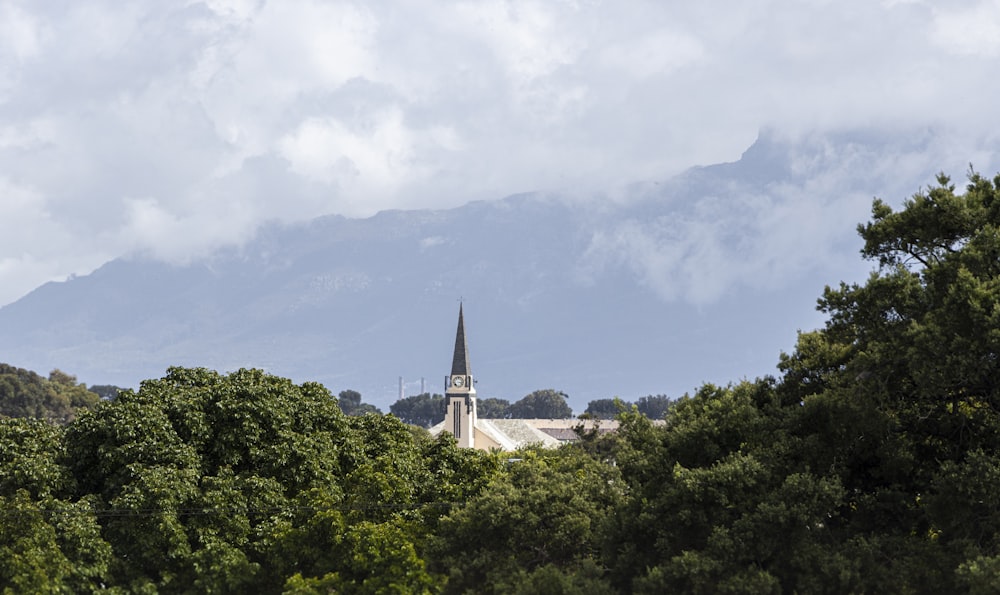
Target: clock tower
{"points": [[460, 392]]}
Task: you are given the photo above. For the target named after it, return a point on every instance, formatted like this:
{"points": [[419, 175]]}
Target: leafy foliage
{"points": [[543, 514], [225, 483], [350, 403], [47, 542], [422, 410], [542, 404], [605, 408], [493, 408], [879, 437], [654, 406], [58, 399], [31, 453]]}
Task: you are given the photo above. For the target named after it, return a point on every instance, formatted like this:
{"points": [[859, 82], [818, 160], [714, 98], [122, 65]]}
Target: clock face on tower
{"points": [[458, 381]]}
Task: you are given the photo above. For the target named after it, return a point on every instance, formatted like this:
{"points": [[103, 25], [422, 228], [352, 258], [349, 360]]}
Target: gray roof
{"points": [[561, 434], [512, 434], [515, 433]]}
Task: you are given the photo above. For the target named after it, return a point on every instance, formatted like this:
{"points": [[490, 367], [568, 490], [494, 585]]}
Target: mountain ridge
{"points": [[686, 281]]}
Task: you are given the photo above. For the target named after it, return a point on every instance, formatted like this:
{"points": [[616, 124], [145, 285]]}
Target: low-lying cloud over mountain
{"points": [[705, 276]]}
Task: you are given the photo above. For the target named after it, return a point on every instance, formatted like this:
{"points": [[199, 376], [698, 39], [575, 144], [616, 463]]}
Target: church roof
{"points": [[511, 434], [515, 433], [460, 361]]}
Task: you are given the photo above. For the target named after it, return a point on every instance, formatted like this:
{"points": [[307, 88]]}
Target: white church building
{"points": [[497, 434]]}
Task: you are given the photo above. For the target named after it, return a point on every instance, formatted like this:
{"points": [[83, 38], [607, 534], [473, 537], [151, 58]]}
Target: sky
{"points": [[173, 128]]}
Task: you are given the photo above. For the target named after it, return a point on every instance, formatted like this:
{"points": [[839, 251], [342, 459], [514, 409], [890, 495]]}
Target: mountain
{"points": [[701, 278]]}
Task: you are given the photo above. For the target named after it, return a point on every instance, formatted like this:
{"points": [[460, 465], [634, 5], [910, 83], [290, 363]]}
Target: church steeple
{"points": [[460, 391], [460, 361]]}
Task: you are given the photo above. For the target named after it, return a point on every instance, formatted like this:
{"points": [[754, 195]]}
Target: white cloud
{"points": [[531, 39], [658, 53], [209, 117], [971, 29], [27, 135], [24, 208], [376, 153], [741, 236], [21, 34], [35, 245]]}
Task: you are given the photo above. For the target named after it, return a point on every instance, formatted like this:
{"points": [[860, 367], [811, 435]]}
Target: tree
{"points": [[540, 526], [367, 533], [242, 482], [542, 404], [59, 398], [493, 408], [718, 504], [653, 406], [605, 408], [383, 560], [422, 410], [372, 537], [31, 456], [75, 392], [47, 542], [235, 449], [350, 403], [879, 436], [909, 359], [30, 558]]}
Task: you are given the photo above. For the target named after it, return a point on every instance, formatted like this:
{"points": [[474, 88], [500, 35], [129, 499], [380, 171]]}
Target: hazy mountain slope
{"points": [[704, 277]]}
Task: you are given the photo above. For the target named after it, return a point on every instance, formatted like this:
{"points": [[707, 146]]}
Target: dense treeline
{"points": [[652, 406], [870, 464], [350, 403], [427, 409], [59, 398]]}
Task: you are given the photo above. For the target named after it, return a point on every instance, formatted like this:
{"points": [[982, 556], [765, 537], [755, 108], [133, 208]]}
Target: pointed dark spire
{"points": [[460, 362]]}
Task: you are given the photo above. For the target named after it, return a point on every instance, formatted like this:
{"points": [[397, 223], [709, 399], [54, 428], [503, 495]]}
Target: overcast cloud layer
{"points": [[176, 127]]}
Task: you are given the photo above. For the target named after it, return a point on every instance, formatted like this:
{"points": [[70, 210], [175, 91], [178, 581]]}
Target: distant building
{"points": [[503, 434]]}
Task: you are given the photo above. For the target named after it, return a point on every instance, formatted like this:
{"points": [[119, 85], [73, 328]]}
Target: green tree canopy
{"points": [[493, 408], [48, 542], [59, 398], [350, 403], [247, 482], [539, 524], [605, 408], [542, 404], [76, 393], [654, 406], [422, 410], [879, 436]]}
